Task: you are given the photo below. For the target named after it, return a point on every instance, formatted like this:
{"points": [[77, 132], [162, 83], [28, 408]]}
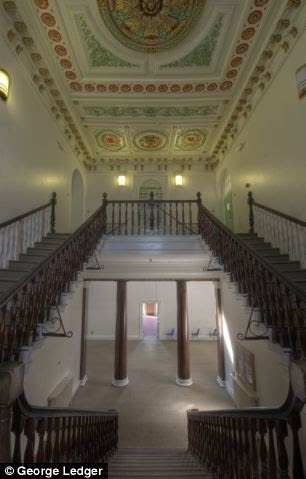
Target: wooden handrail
{"points": [[24, 215], [60, 249], [275, 212], [29, 303], [281, 303], [276, 273], [248, 442]]}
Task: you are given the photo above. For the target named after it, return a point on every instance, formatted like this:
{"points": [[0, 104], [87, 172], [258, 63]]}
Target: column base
{"points": [[83, 381], [120, 382], [184, 382], [221, 382]]}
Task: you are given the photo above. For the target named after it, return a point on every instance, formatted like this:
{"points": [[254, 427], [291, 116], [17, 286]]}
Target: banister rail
{"points": [[22, 231], [281, 230], [248, 443], [282, 304], [26, 306]]}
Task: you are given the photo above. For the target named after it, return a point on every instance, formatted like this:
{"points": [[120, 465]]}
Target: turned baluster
{"points": [[170, 217], [254, 452], [17, 429], [52, 219], [63, 441], [68, 452], [29, 432], [247, 452], [41, 431], [133, 204], [190, 217], [158, 217], [251, 211], [165, 224], [263, 453], [295, 424], [176, 218], [138, 218], [183, 217], [56, 447], [145, 218], [151, 204], [119, 217], [126, 218], [283, 462], [113, 218], [48, 450]]}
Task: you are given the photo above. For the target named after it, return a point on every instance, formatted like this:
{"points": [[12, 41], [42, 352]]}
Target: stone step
{"points": [[32, 258], [39, 251], [24, 266], [45, 245], [11, 275], [286, 266], [6, 285]]}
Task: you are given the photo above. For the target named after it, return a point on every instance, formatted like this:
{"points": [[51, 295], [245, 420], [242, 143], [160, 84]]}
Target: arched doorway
{"points": [[228, 202], [77, 200]]}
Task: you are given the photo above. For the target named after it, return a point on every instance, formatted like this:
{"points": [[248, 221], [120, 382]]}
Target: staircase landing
{"points": [[155, 463]]}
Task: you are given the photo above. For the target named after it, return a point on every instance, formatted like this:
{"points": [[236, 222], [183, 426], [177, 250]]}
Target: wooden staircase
{"points": [[290, 269], [17, 270], [155, 463]]}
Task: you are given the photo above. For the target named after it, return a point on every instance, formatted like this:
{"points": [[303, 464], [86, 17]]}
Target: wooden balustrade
{"points": [[282, 231], [29, 304], [282, 304], [142, 217], [23, 231], [248, 443], [43, 435]]}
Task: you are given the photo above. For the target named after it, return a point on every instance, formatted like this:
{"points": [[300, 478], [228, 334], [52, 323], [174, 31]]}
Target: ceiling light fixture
{"points": [[4, 84]]}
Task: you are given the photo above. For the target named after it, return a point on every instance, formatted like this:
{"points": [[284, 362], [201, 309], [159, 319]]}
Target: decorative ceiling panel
{"points": [[136, 78]]}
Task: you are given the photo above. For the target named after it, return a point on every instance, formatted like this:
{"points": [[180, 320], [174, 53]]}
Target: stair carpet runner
{"points": [[17, 270], [155, 463], [290, 269]]}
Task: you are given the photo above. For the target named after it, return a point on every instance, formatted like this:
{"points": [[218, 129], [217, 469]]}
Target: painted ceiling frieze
{"points": [[190, 139], [99, 56], [150, 140], [150, 26], [151, 112], [202, 55]]}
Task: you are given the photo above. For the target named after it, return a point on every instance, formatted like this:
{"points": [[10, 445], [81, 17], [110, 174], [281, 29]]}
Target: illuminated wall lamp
{"points": [[4, 84], [121, 180], [178, 180], [301, 81]]}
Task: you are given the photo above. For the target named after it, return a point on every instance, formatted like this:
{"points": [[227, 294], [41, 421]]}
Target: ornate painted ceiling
{"points": [[136, 81]]}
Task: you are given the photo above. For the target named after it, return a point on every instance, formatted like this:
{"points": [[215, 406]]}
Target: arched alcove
{"points": [[77, 200]]}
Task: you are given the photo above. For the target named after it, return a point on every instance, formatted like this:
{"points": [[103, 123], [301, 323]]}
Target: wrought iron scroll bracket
{"points": [[57, 334], [249, 335]]}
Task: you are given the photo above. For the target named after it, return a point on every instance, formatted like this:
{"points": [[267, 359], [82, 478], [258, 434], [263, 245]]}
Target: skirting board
{"points": [[106, 337]]}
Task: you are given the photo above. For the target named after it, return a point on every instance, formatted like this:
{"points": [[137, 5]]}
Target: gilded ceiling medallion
{"points": [[150, 25]]}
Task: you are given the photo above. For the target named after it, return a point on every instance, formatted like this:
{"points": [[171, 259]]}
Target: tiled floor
{"points": [[152, 407]]}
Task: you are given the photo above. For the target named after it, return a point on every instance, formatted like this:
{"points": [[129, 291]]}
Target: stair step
{"points": [[279, 258], [46, 246], [59, 235], [287, 266], [40, 251], [24, 266], [32, 258], [51, 240], [11, 275], [297, 275], [6, 286]]}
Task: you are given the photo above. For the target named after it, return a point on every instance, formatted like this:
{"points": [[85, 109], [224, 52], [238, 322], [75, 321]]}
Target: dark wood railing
{"points": [[28, 305], [50, 435], [282, 303], [142, 217], [248, 443], [282, 231], [20, 233]]}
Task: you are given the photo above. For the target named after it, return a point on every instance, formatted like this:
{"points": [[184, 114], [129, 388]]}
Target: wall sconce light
{"points": [[178, 180], [121, 180], [4, 84], [301, 81]]}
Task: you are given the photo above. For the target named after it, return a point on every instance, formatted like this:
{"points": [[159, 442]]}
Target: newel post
{"points": [[251, 211], [11, 387], [151, 211], [104, 215], [53, 203], [199, 203]]}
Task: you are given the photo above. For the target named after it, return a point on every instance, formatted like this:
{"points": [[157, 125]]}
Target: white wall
{"points": [[194, 181], [35, 158], [272, 377], [273, 159], [53, 359], [102, 307]]}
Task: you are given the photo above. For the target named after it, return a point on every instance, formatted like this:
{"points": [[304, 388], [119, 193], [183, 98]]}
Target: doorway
{"points": [[149, 319]]}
